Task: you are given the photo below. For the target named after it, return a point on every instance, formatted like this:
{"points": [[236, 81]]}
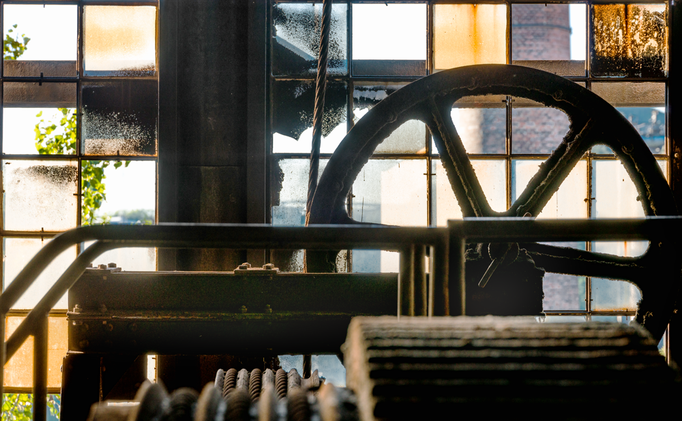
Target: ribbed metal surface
{"points": [[417, 366]]}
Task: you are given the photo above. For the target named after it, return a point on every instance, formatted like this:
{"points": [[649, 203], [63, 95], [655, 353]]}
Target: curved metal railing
{"points": [[447, 259]]}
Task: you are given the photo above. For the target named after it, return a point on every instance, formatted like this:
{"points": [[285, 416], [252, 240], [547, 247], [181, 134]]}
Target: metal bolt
{"points": [[244, 266], [102, 308], [132, 327], [268, 266], [268, 309], [102, 266], [112, 265], [107, 326], [244, 309], [77, 309]]}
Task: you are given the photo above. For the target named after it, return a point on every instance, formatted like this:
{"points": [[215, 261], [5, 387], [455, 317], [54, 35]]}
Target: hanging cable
{"points": [[320, 87]]}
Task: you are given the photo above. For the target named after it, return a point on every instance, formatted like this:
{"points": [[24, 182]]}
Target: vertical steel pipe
{"points": [[457, 263], [420, 284], [406, 282], [439, 303], [40, 370]]}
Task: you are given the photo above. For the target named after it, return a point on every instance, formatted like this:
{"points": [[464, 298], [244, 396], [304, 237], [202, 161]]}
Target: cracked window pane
{"points": [[40, 195], [410, 137], [119, 41], [296, 39], [120, 117], [630, 40], [389, 39], [19, 369], [293, 110], [34, 45], [465, 34]]}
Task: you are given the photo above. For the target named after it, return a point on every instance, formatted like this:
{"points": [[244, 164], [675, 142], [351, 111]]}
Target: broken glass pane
{"points": [[17, 253], [290, 191], [296, 39], [482, 130], [490, 173], [293, 109], [56, 131], [630, 40], [120, 117], [40, 195], [19, 369], [467, 34], [410, 137], [537, 130], [34, 45], [108, 196], [570, 201], [389, 39], [119, 41]]}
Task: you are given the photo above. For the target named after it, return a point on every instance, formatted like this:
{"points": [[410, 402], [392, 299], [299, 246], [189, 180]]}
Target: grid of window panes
{"points": [[79, 90], [619, 51]]}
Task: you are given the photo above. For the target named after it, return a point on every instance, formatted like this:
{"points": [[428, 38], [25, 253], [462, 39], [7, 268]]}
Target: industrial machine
{"points": [[399, 365]]}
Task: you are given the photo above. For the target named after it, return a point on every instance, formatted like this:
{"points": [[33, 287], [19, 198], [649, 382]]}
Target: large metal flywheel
{"points": [[592, 121]]}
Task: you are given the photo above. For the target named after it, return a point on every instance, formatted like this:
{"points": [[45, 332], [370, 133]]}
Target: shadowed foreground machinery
{"points": [[411, 368], [397, 368]]}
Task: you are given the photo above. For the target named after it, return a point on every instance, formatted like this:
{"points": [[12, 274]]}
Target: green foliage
{"points": [[13, 48], [53, 139], [19, 406]]}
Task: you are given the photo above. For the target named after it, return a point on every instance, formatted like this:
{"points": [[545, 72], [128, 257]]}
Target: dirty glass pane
{"points": [[570, 201], [39, 195], [391, 192], [293, 108], [408, 138], [629, 40], [537, 130], [19, 369], [614, 295], [34, 45], [612, 184], [482, 129], [118, 192], [564, 292], [389, 39], [130, 259], [296, 39], [643, 104], [17, 253], [20, 94], [290, 190], [120, 117], [465, 34], [490, 173], [119, 41]]}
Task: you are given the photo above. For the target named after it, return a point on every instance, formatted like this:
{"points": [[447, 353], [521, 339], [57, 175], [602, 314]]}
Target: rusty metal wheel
{"points": [[592, 121]]}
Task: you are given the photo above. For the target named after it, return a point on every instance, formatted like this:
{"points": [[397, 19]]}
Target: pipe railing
{"points": [[447, 258]]}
